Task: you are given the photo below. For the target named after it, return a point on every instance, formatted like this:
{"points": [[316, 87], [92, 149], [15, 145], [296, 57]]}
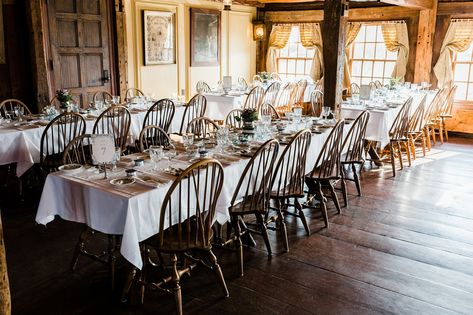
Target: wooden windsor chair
{"points": [[242, 82], [378, 84], [288, 181], [447, 110], [153, 135], [325, 173], [160, 114], [233, 119], [416, 128], [284, 101], [79, 151], [11, 108], [194, 109], [102, 96], [202, 127], [252, 197], [185, 230], [354, 89], [274, 76], [272, 92], [57, 134], [202, 87], [398, 134], [116, 121], [432, 116], [316, 103], [372, 85], [268, 109], [299, 91], [257, 79], [352, 160], [254, 98], [133, 92]]}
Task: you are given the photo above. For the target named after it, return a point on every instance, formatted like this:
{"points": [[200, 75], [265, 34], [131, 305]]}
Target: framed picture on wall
{"points": [[159, 42], [205, 37]]}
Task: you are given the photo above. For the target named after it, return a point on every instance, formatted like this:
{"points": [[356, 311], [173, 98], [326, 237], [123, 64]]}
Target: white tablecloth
{"points": [[381, 120], [134, 215], [218, 106]]}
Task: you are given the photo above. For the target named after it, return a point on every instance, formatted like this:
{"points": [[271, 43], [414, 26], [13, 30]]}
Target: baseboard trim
{"points": [[460, 134]]}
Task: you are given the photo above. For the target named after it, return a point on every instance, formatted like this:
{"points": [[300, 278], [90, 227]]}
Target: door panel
{"points": [[80, 49]]}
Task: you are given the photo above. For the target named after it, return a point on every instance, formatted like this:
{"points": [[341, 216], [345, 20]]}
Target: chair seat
{"points": [[283, 193], [249, 205]]}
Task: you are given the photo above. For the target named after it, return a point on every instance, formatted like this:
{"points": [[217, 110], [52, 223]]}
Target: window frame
{"points": [[295, 74], [385, 77], [469, 84]]}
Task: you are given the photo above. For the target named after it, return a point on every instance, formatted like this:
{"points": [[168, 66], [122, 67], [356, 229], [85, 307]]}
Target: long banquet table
{"points": [[133, 211]]}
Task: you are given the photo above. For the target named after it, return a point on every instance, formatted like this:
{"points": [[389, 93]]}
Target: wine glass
{"points": [[222, 138], [116, 159], [156, 154], [116, 99], [170, 154], [187, 140], [325, 112]]}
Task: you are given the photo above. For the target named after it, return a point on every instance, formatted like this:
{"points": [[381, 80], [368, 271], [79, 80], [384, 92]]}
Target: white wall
{"points": [[238, 50]]}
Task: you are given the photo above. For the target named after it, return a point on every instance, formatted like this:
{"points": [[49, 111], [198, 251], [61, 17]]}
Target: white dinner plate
{"points": [[122, 181], [70, 168]]}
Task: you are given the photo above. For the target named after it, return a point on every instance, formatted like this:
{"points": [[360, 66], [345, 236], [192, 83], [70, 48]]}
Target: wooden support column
{"points": [[425, 41], [5, 302], [120, 21], [333, 34]]}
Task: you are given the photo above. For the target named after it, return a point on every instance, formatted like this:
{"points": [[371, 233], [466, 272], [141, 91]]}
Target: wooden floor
{"points": [[405, 247]]}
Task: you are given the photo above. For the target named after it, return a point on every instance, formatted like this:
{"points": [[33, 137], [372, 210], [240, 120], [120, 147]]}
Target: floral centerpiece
{"points": [[393, 82], [264, 76], [64, 98], [248, 116]]}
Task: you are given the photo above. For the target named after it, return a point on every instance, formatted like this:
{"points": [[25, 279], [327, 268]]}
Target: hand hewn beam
{"points": [[425, 39], [416, 4], [333, 34]]}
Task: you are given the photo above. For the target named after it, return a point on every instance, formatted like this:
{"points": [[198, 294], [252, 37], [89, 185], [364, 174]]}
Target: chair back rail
{"points": [[272, 92], [102, 96], [153, 135], [160, 114], [8, 108], [57, 135], [299, 91], [416, 121], [194, 109], [254, 98], [316, 103], [132, 92], [268, 109], [400, 125], [353, 145], [284, 100], [188, 209], [202, 87], [79, 151], [233, 119], [202, 127], [354, 88], [327, 165], [116, 121], [254, 186], [242, 82], [288, 179]]}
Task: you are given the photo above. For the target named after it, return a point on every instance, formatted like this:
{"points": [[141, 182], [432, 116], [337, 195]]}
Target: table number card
{"points": [[103, 148], [227, 82], [365, 92]]}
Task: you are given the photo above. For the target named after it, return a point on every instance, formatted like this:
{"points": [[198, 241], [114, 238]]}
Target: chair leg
{"points": [[434, 139], [410, 141], [408, 152], [344, 191], [177, 288], [444, 126], [335, 198], [85, 234], [282, 224], [393, 161], [302, 216], [323, 206], [399, 150], [264, 232], [111, 259], [422, 139], [239, 245], [427, 136], [357, 179], [218, 273]]}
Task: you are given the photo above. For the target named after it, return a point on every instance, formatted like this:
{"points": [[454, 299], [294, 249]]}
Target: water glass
{"points": [[170, 154], [187, 140], [156, 154], [325, 112], [222, 138], [116, 158], [116, 99], [266, 119]]}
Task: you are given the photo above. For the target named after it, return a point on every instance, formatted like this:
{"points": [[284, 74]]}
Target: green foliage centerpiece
{"points": [[248, 116]]}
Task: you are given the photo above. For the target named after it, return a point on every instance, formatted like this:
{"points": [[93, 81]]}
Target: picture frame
{"points": [[205, 37], [2, 39], [159, 37]]}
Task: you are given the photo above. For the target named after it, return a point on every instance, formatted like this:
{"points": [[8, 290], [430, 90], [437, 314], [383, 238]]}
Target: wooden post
{"points": [[121, 48], [425, 39], [5, 303], [333, 34]]}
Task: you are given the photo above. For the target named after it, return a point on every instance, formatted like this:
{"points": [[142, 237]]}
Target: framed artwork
{"points": [[2, 42], [205, 37], [159, 38]]}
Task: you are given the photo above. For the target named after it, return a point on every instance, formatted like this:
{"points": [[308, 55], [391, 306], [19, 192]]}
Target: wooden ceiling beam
{"points": [[415, 4]]}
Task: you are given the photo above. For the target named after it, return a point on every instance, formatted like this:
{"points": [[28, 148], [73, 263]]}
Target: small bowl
{"points": [[139, 162], [130, 172]]}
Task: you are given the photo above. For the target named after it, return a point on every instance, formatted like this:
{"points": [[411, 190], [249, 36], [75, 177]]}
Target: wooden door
{"points": [[79, 35]]}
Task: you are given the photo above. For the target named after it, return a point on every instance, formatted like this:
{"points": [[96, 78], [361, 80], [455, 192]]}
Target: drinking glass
{"points": [[116, 99], [222, 138], [297, 115], [187, 140], [266, 119], [156, 154], [325, 112], [116, 159], [170, 154]]}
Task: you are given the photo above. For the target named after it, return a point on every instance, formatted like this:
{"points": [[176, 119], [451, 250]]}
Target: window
{"points": [[294, 61], [370, 60], [463, 74]]}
